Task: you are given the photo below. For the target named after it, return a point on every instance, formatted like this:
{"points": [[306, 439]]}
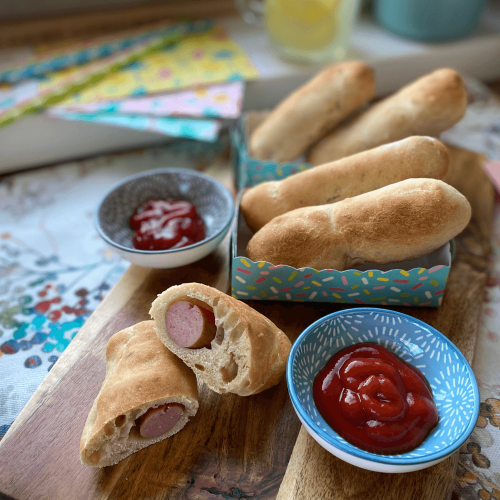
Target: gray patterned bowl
{"points": [[212, 200], [451, 378]]}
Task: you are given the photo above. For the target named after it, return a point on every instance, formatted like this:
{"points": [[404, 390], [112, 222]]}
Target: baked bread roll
{"points": [[406, 159], [399, 222], [467, 175], [428, 106], [148, 395], [311, 111], [244, 354]]}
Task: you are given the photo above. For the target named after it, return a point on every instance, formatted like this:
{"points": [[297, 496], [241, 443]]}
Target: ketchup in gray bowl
{"points": [[165, 225]]}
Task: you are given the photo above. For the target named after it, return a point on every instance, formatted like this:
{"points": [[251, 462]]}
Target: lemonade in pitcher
{"points": [[307, 30]]}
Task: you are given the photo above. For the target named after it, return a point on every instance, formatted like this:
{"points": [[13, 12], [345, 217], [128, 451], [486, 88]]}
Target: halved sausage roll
{"points": [[230, 346], [148, 395]]}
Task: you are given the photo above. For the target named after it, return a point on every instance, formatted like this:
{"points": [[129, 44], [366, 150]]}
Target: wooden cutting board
{"points": [[235, 447]]}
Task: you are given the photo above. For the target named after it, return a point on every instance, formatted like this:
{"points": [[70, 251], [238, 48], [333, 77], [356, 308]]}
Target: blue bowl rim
{"points": [[156, 171], [352, 449]]}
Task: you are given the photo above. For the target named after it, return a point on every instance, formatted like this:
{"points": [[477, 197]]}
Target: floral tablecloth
{"points": [[54, 268], [54, 271], [478, 473]]}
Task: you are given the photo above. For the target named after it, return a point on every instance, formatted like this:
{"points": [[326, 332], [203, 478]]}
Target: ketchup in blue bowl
{"points": [[382, 390], [375, 400]]}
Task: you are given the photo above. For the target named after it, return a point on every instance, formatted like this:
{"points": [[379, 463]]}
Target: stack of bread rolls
{"points": [[399, 222], [328, 118], [351, 176], [427, 106], [376, 194], [313, 110]]}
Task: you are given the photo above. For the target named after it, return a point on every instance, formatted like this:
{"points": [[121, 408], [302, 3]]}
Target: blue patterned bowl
{"points": [[212, 200], [451, 378]]}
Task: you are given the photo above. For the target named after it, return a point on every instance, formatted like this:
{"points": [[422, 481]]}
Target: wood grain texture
{"points": [[235, 447], [104, 21]]}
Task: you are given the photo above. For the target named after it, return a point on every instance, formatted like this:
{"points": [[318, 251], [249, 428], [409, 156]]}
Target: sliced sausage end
{"points": [[157, 421], [191, 325]]}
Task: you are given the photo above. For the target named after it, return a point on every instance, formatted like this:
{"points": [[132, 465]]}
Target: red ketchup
{"points": [[375, 400], [166, 224]]}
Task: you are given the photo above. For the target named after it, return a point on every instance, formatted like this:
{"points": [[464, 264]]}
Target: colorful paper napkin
{"points": [[189, 61], [192, 113], [56, 86], [203, 130], [46, 58], [214, 101], [177, 65]]}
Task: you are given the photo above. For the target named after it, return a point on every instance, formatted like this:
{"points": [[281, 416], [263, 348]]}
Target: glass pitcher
{"points": [[304, 30]]}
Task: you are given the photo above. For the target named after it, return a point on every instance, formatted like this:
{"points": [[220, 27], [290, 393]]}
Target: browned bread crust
{"points": [[409, 158], [312, 110], [467, 175], [249, 352], [427, 106], [399, 222], [141, 373]]}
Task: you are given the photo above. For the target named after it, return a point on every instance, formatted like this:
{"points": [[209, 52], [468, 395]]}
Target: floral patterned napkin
{"points": [[54, 268]]}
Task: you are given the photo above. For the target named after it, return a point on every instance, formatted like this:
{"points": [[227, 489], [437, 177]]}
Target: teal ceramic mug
{"points": [[429, 20]]}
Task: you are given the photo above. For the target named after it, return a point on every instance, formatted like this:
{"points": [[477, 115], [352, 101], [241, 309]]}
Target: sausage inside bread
{"points": [[244, 354], [148, 395], [311, 111], [357, 174], [398, 222]]}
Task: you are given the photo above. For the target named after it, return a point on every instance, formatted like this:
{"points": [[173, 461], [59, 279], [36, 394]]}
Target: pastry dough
{"points": [[357, 174], [427, 106], [248, 353], [398, 222], [141, 373]]}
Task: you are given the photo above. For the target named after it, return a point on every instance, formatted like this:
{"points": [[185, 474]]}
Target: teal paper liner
{"points": [[251, 171], [264, 281]]}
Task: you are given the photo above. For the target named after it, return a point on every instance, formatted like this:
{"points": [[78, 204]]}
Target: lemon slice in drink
{"points": [[302, 24]]}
